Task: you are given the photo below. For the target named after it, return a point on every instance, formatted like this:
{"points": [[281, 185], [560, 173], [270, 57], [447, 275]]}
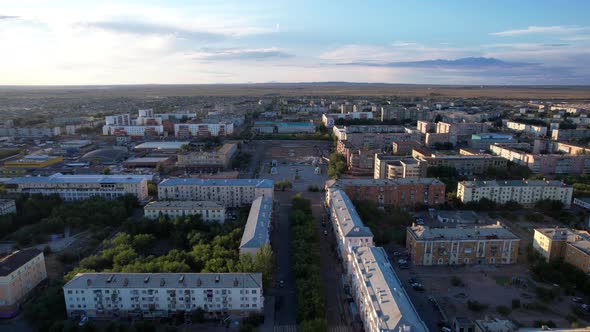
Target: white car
{"points": [[83, 321]]}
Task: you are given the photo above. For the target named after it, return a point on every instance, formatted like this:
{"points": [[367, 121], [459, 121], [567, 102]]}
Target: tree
{"points": [[106, 171], [152, 189], [336, 165], [142, 242], [264, 262]]}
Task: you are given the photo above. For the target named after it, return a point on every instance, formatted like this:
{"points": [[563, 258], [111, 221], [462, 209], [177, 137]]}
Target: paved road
{"points": [[285, 297]]}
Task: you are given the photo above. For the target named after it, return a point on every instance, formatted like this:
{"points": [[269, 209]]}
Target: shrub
{"points": [[476, 306], [456, 281], [515, 303], [503, 310]]}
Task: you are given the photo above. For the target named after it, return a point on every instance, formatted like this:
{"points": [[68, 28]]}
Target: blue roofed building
{"points": [[257, 230], [483, 141]]}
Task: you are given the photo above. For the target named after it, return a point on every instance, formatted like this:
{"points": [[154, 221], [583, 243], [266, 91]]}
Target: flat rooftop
{"points": [[514, 183], [147, 160], [579, 239], [165, 280], [486, 232], [389, 300], [385, 182], [161, 145]]}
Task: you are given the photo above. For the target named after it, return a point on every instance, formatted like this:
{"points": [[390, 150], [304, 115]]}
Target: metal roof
{"points": [[258, 183], [60, 178], [350, 222], [257, 227]]}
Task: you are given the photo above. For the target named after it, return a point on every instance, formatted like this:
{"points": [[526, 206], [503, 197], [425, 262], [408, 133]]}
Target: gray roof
{"points": [[17, 259], [350, 221], [385, 182], [90, 178], [389, 299], [147, 160], [488, 232], [257, 227], [579, 239], [161, 145], [514, 183], [165, 280], [258, 183]]}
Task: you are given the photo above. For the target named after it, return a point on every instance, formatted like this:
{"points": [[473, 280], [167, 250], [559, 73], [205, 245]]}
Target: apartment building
{"points": [[464, 163], [152, 295], [7, 206], [187, 130], [381, 299], [461, 129], [394, 167], [524, 192], [209, 211], [408, 192], [347, 225], [561, 162], [20, 273], [115, 130], [573, 246], [490, 244], [213, 160], [33, 161], [258, 226], [565, 134], [425, 127], [404, 148], [329, 119], [483, 141], [529, 129], [30, 131], [403, 113], [80, 187], [118, 120], [230, 193]]}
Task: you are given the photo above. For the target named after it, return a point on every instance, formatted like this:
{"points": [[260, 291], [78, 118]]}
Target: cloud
{"points": [[554, 29], [144, 28], [462, 63], [223, 54]]}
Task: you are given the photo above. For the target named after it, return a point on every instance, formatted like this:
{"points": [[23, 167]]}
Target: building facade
{"points": [[230, 193], [153, 295], [465, 164], [529, 129], [526, 192], [562, 162], [80, 187], [187, 130], [406, 192], [573, 246], [209, 211], [491, 244], [218, 159], [395, 167], [20, 273]]}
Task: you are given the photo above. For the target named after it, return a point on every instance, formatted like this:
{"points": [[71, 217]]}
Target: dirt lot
{"points": [[488, 285]]}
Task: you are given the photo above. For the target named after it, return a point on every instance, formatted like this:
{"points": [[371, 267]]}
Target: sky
{"points": [[70, 42]]}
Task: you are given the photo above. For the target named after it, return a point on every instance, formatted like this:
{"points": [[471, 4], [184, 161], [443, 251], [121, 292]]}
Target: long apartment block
{"points": [[80, 187], [229, 193], [524, 192], [150, 295], [573, 246], [490, 244], [406, 192]]}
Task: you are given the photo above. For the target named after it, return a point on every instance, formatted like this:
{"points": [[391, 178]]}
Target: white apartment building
{"points": [[526, 193], [203, 129], [258, 226], [230, 193], [150, 295], [395, 167], [527, 128], [209, 211], [328, 119], [80, 187], [382, 301], [118, 120], [7, 206], [347, 224], [133, 130]]}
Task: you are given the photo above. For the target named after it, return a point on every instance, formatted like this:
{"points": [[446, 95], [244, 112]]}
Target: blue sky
{"points": [[438, 42]]}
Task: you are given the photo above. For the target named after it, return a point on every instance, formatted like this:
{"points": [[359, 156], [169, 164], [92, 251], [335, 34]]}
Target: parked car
{"points": [[325, 233], [417, 286], [83, 321], [402, 261], [281, 284], [577, 299], [403, 266], [413, 281]]}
